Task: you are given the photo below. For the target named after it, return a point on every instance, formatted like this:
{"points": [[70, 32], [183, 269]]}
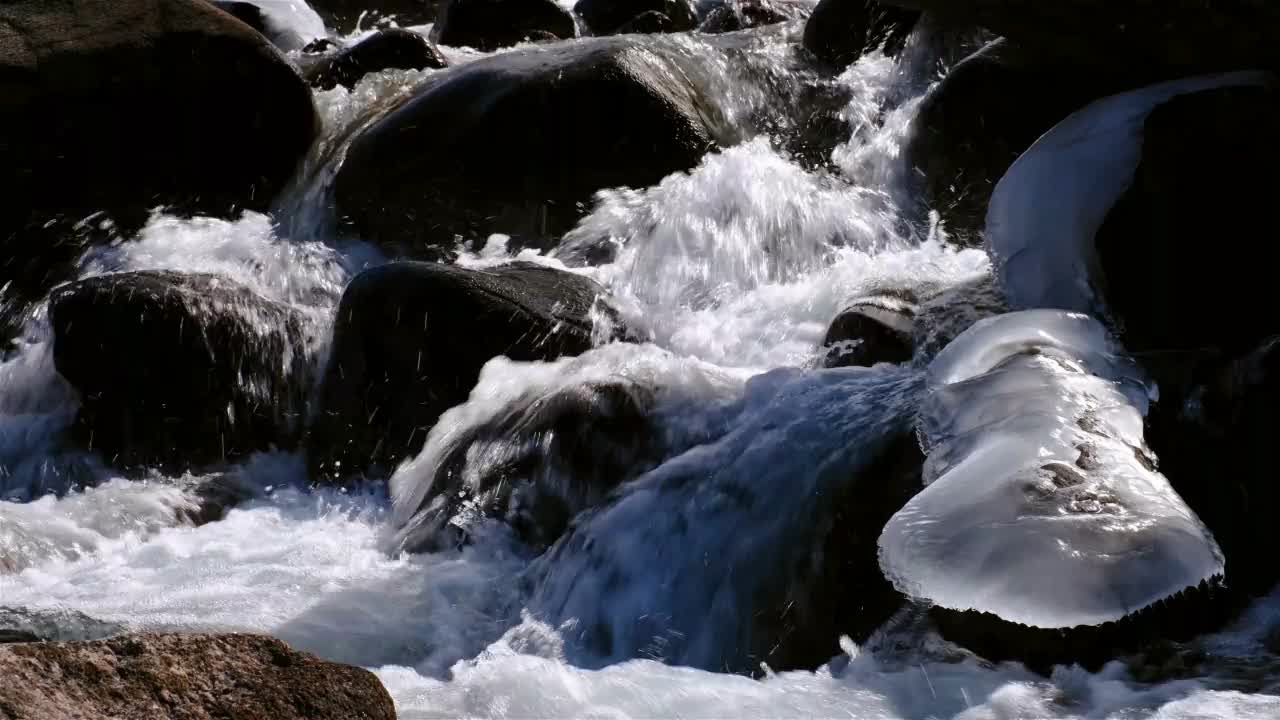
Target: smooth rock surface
{"points": [[393, 48], [518, 143], [410, 340], [181, 370], [487, 25]]}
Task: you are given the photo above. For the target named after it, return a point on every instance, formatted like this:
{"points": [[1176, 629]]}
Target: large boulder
{"points": [[1165, 281], [841, 31], [393, 48], [180, 371], [1214, 429], [491, 24], [120, 106], [607, 17], [1181, 37], [410, 340], [194, 677], [986, 111], [101, 101], [518, 143]]}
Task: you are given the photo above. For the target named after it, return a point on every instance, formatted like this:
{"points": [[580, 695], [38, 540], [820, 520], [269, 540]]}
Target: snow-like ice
{"points": [[1044, 507]]}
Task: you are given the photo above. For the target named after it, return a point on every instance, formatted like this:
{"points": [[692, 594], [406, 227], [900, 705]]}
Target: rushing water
{"points": [[734, 270]]}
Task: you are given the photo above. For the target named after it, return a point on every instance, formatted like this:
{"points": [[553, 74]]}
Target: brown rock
{"points": [[183, 677]]}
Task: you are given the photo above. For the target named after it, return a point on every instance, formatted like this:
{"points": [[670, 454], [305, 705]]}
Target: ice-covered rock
{"points": [[1043, 505], [1047, 209]]}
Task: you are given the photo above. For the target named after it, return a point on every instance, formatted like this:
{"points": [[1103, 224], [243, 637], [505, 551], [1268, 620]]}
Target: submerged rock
{"points": [[756, 546], [410, 340], [945, 314], [386, 49], [180, 370], [873, 329], [518, 143], [607, 17], [537, 464], [841, 31], [491, 24], [53, 626], [987, 110], [184, 676]]}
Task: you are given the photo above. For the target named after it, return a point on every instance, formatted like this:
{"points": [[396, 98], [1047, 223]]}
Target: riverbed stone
{"points": [[183, 677]]}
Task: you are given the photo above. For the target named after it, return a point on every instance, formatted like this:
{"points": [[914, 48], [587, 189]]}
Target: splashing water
{"points": [[734, 270]]}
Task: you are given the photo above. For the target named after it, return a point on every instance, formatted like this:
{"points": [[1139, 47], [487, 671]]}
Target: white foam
{"points": [[1042, 509]]}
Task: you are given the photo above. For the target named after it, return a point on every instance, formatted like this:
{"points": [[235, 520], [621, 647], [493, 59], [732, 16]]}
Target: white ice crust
{"points": [[1042, 505]]}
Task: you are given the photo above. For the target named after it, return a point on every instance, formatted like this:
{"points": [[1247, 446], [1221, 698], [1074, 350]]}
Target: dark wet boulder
{"points": [[37, 256], [17, 636], [841, 31], [491, 24], [101, 101], [1214, 428], [518, 144], [393, 48], [180, 371], [536, 464], [607, 17], [871, 330], [245, 12], [124, 106], [985, 113], [1164, 279], [200, 677], [1180, 37], [650, 22], [944, 314], [410, 340], [343, 15], [746, 14]]}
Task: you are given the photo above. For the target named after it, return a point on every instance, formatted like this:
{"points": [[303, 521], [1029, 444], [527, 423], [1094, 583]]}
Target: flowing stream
{"points": [[734, 270]]}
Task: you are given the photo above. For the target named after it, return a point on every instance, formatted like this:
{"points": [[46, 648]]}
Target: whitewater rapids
{"points": [[734, 269]]}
